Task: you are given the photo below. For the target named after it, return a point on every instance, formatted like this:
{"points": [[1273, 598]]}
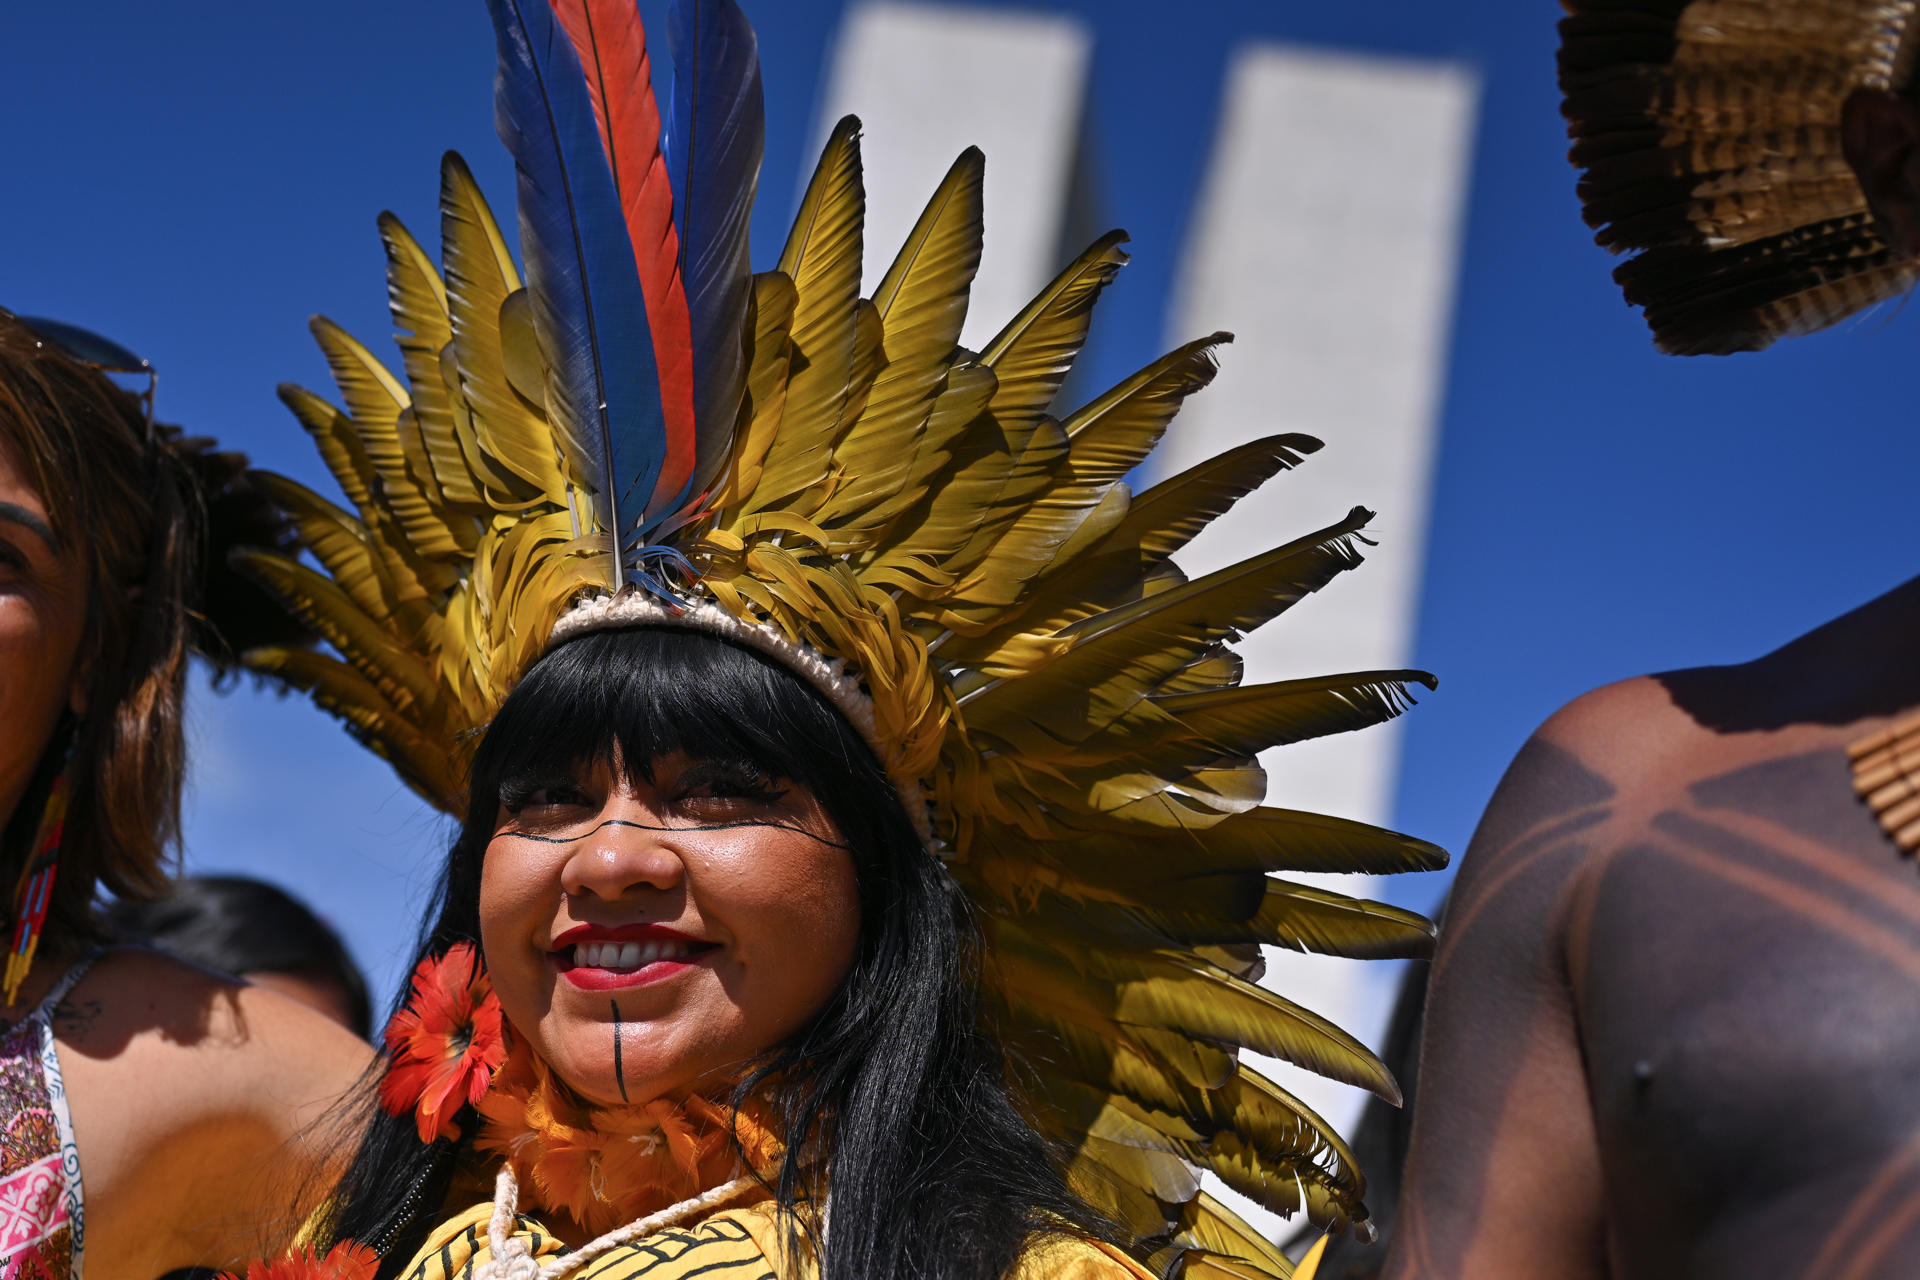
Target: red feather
{"points": [[613, 52]]}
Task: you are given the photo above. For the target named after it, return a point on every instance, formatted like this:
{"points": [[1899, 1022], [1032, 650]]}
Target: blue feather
{"points": [[714, 139], [588, 307]]}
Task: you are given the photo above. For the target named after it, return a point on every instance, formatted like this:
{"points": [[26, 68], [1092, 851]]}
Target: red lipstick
{"points": [[597, 957]]}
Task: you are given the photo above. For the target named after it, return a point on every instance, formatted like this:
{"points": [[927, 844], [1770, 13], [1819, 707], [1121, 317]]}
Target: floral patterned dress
{"points": [[41, 1226]]}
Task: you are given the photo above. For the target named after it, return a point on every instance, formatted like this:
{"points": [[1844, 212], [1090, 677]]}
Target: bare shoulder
{"points": [[219, 1041], [1569, 777], [207, 1112], [1628, 733], [1624, 753], [1629, 720]]}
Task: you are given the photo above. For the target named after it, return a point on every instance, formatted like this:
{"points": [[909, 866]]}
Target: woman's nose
{"points": [[621, 854]]}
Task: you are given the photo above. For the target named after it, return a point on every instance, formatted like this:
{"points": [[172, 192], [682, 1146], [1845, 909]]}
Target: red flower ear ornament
{"points": [[345, 1261], [444, 1044]]}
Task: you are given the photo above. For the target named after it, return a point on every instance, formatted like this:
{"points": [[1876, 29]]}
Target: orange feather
{"points": [[613, 53]]}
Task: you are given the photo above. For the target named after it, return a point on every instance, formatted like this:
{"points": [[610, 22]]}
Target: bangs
{"points": [[640, 694]]}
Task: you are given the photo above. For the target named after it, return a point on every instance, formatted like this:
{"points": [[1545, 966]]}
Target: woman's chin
{"points": [[633, 1075]]}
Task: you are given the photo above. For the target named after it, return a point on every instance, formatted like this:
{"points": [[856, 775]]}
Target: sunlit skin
{"points": [[316, 993], [43, 611], [745, 881]]}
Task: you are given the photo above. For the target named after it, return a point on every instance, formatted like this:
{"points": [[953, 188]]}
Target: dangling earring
{"points": [[34, 890]]}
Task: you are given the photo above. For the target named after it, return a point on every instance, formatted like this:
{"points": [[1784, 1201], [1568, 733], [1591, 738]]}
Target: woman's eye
{"points": [[732, 784], [558, 796]]}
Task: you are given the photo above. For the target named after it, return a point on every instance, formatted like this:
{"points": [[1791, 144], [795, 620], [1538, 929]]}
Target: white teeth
{"points": [[627, 955]]}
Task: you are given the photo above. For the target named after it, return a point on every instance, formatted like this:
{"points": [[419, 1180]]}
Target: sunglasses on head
{"points": [[87, 348]]}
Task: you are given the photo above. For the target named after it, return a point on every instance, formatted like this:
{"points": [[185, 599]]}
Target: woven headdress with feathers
{"points": [[1708, 133], [644, 432]]}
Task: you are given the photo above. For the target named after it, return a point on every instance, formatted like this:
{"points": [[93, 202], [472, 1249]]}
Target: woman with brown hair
{"points": [[168, 1086]]}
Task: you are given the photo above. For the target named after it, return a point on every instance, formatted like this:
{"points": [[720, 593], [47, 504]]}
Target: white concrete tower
{"points": [[928, 81]]}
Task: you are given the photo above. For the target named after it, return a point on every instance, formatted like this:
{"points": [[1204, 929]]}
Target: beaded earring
{"points": [[34, 890]]}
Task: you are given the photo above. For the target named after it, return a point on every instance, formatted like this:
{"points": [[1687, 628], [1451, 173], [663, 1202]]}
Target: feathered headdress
{"points": [[646, 432], [1708, 132]]}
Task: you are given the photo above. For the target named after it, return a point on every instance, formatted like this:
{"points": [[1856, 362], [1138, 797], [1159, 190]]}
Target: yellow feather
{"points": [[1032, 354], [1318, 920], [1217, 667], [337, 540], [1118, 656], [1285, 1184], [1108, 438], [1199, 1265], [1167, 516], [1055, 1022], [1116, 1189], [1251, 718], [822, 258], [1294, 840], [957, 409], [413, 449], [375, 400], [1177, 908], [422, 330], [1260, 1112], [339, 445], [1208, 1224], [1309, 1264], [326, 609], [995, 475], [526, 372], [1137, 866], [869, 335], [769, 357], [411, 578], [922, 301], [1165, 991], [506, 431], [374, 396], [1157, 523]]}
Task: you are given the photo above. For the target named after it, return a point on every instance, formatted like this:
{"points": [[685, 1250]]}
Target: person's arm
{"points": [[1503, 1178], [206, 1113], [287, 1118]]}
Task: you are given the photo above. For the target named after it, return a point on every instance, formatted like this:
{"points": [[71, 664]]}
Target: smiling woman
{"points": [[861, 870], [693, 881]]}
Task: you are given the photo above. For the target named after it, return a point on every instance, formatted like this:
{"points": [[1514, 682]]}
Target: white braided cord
{"points": [[510, 1259]]}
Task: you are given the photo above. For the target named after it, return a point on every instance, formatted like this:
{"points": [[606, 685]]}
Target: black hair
{"points": [[895, 1089], [239, 925]]}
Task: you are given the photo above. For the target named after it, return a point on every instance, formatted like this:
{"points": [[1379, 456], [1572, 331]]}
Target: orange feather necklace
{"points": [[607, 1166]]}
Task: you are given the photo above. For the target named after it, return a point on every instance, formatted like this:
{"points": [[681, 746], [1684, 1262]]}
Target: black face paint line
{"points": [[619, 1071], [644, 826]]}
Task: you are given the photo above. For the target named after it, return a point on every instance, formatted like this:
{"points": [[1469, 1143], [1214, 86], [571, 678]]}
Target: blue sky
{"points": [[196, 179]]}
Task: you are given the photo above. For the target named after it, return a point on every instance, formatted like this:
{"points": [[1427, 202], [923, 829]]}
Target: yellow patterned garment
{"points": [[729, 1244]]}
